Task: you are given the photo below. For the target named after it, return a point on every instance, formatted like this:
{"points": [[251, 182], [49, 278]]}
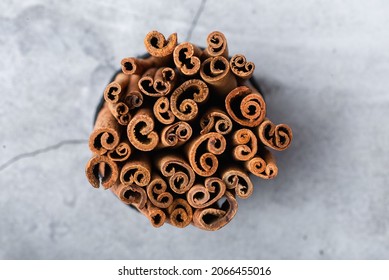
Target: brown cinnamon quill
{"points": [[245, 106], [106, 134], [263, 166], [121, 153], [175, 135], [215, 218], [156, 216], [245, 144], [215, 119], [241, 68], [109, 175], [157, 191], [237, 179], [187, 58], [216, 45], [180, 213], [115, 90], [158, 46], [130, 194], [133, 97], [136, 172], [278, 137], [201, 196], [140, 131], [162, 111]]}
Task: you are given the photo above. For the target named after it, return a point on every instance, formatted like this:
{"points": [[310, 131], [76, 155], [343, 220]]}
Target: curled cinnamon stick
{"points": [[263, 166], [178, 172], [246, 145], [136, 172], [215, 218], [246, 106], [216, 45], [215, 119], [175, 135], [180, 213], [115, 90], [157, 82], [137, 66], [241, 67], [158, 193], [121, 112], [121, 153], [201, 196], [106, 134], [237, 179], [133, 97], [278, 137], [156, 216], [215, 71], [140, 130], [186, 58], [108, 175], [162, 111], [158, 46], [130, 194], [206, 164], [187, 110]]}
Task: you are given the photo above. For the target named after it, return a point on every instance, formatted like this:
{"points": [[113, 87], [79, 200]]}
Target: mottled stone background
{"points": [[324, 67]]}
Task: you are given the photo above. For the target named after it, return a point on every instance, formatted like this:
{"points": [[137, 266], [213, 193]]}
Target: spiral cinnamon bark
{"points": [[245, 144], [178, 172], [158, 193], [156, 216], [136, 172], [162, 111], [114, 91], [245, 106], [263, 166], [186, 57], [157, 82], [278, 137], [158, 46], [215, 71], [175, 135], [106, 133], [180, 213], [140, 131], [188, 109], [241, 67], [215, 218], [133, 97], [207, 163], [216, 45], [108, 175], [121, 112], [215, 119], [131, 194], [201, 196], [236, 178], [121, 153]]}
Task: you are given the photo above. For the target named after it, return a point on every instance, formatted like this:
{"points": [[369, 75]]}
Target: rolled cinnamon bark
{"points": [[140, 130], [216, 45], [206, 164], [180, 213], [278, 137], [215, 71], [187, 110], [162, 111], [252, 106], [130, 194], [179, 173], [121, 112], [106, 133], [121, 153], [216, 217], [136, 172], [156, 216], [133, 97], [101, 168], [158, 46], [157, 82], [245, 144], [215, 119], [202, 196], [137, 66], [263, 166], [175, 135], [186, 57], [114, 91], [241, 67], [158, 194], [237, 179]]}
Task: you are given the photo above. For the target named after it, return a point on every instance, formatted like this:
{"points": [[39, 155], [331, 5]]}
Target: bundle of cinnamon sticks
{"points": [[181, 131]]}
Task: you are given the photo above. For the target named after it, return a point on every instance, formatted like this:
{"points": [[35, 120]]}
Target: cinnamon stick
{"points": [[202, 196], [162, 112], [278, 137], [241, 67], [175, 135], [187, 58], [216, 45], [140, 130], [130, 194], [263, 166], [108, 174], [158, 194], [133, 97], [245, 144], [180, 213], [136, 172], [215, 119], [237, 179], [114, 90]]}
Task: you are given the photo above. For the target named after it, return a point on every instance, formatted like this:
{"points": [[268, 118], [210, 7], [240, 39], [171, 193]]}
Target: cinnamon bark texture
{"points": [[179, 133]]}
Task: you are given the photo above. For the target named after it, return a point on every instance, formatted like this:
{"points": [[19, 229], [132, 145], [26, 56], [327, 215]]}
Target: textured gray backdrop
{"points": [[324, 66]]}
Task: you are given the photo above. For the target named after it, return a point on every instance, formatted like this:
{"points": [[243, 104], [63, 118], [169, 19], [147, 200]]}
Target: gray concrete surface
{"points": [[324, 66]]}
